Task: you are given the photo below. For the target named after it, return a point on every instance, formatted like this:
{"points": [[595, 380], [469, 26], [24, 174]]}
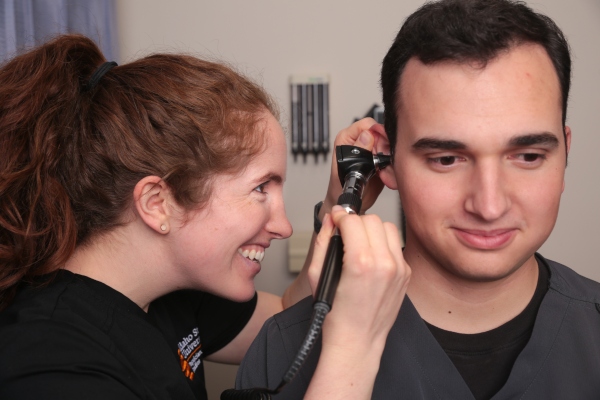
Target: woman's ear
{"points": [[382, 145], [152, 200]]}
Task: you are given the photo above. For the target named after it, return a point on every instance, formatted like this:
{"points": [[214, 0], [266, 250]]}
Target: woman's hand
{"points": [[364, 133], [374, 274], [367, 301]]}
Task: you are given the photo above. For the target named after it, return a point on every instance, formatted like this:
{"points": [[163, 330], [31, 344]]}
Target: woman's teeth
{"points": [[252, 255]]}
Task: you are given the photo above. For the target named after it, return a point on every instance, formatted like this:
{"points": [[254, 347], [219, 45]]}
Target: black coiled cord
{"points": [[320, 310]]}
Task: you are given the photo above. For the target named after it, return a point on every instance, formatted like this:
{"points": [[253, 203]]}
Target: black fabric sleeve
{"points": [[221, 320], [59, 385], [218, 320], [73, 367]]}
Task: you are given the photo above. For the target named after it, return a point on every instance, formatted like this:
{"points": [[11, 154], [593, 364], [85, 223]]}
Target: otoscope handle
{"points": [[331, 272], [332, 267]]}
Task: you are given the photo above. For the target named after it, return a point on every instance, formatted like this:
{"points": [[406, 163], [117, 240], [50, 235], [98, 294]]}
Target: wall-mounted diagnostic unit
{"points": [[310, 114]]}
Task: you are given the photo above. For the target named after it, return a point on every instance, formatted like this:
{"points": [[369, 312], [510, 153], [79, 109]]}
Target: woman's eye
{"points": [[261, 188]]}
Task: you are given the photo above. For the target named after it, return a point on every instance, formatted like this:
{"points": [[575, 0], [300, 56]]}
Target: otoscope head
{"points": [[381, 161], [358, 160]]}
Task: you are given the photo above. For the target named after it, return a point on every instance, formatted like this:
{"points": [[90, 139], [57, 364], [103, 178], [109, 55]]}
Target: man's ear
{"points": [[568, 139], [382, 145], [568, 146], [151, 197]]}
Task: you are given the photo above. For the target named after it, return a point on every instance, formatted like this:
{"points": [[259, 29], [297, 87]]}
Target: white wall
{"points": [[270, 40]]}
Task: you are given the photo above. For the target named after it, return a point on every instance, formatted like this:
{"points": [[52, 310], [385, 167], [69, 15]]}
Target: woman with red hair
{"points": [[136, 203]]}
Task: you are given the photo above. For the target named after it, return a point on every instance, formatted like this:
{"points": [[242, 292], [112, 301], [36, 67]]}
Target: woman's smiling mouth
{"points": [[256, 255]]}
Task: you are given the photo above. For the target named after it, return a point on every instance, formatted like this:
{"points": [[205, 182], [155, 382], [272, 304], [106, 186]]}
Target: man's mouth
{"points": [[486, 240]]}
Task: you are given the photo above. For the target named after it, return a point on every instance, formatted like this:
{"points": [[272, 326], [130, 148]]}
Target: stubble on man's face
{"points": [[479, 163]]}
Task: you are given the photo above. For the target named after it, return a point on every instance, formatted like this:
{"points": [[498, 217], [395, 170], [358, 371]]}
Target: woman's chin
{"points": [[242, 295]]}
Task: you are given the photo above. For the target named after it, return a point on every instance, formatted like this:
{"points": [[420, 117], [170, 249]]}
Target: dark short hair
{"points": [[469, 31]]}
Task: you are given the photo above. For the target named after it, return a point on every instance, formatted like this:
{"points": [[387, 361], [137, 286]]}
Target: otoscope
{"points": [[355, 167]]}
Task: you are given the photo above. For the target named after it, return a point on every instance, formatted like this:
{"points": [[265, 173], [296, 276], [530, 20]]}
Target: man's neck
{"points": [[457, 304]]}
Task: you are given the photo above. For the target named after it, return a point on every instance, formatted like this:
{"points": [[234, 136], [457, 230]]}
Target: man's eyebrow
{"points": [[438, 144], [545, 138]]}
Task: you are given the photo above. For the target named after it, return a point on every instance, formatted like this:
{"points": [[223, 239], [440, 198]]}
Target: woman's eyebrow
{"points": [[271, 176]]}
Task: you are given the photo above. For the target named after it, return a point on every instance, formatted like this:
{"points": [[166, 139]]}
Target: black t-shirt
{"points": [[77, 338], [485, 359], [197, 324]]}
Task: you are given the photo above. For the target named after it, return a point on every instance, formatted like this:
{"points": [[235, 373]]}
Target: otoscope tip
{"points": [[382, 161]]}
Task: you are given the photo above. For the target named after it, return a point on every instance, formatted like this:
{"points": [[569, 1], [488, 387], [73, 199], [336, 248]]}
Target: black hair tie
{"points": [[98, 74]]}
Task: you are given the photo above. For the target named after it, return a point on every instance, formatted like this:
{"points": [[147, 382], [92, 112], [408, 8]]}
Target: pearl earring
{"points": [[163, 227]]}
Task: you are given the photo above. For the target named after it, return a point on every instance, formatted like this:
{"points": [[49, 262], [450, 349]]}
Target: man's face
{"points": [[479, 162]]}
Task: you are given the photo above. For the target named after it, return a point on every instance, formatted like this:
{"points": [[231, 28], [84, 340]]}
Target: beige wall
{"points": [[270, 40]]}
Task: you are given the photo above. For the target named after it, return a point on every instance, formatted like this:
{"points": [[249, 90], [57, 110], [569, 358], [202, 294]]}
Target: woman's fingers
{"points": [[373, 282], [362, 133], [351, 135]]}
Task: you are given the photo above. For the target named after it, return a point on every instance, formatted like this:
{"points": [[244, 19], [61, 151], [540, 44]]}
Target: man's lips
{"points": [[485, 240]]}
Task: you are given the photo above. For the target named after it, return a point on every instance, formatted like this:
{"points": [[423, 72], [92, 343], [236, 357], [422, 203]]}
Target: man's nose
{"points": [[488, 197]]}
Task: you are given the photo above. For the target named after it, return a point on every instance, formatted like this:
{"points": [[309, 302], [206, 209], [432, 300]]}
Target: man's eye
{"points": [[531, 157], [445, 160]]}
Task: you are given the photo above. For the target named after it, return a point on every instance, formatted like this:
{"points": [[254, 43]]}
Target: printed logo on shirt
{"points": [[189, 353]]}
